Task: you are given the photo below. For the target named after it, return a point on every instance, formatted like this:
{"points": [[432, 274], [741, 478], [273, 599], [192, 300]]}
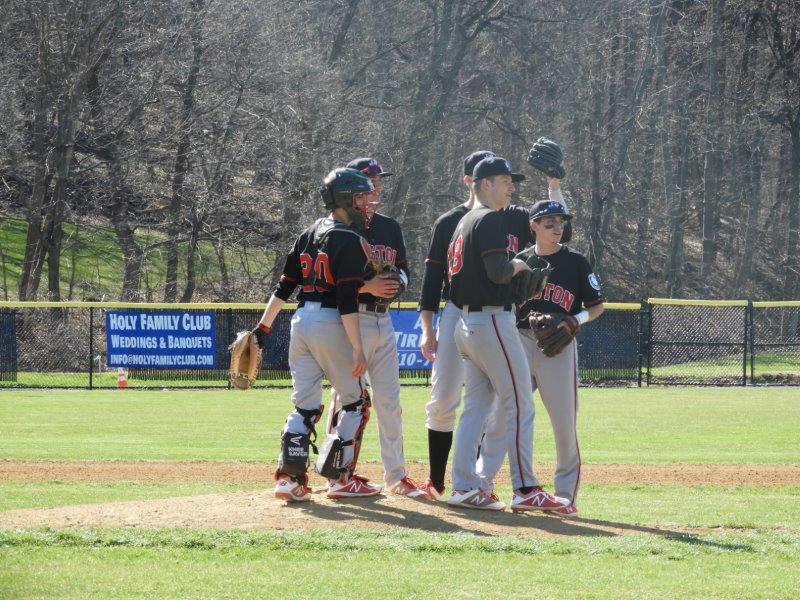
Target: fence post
{"points": [[643, 344], [91, 346], [746, 335], [229, 322], [751, 336]]}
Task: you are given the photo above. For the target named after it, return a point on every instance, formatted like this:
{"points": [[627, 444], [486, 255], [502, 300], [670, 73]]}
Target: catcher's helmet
{"points": [[341, 185]]}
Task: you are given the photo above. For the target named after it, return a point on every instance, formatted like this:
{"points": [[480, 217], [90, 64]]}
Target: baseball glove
{"points": [[377, 267], [245, 360], [526, 284], [546, 156], [550, 337]]}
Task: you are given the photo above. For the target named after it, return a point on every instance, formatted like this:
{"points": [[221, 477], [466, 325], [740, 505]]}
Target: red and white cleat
{"points": [[567, 511], [537, 499], [476, 498], [354, 487], [290, 490], [432, 491], [408, 487]]}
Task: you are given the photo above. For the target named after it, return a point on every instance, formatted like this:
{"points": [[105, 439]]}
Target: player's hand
{"points": [[380, 286], [428, 344], [359, 363]]}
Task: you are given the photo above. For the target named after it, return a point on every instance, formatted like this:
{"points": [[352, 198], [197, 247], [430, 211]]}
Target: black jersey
{"points": [[481, 232], [518, 223], [571, 286], [435, 283], [386, 243], [326, 256]]}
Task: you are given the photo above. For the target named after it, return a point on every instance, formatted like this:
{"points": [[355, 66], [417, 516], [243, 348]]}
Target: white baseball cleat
{"points": [[476, 498], [354, 487], [290, 490], [537, 499]]}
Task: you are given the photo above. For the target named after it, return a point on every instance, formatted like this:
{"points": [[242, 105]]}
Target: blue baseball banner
{"points": [[161, 339], [408, 331]]}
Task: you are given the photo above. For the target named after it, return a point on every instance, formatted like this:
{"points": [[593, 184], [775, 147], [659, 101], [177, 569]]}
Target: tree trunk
{"points": [[181, 169], [713, 153], [792, 269]]}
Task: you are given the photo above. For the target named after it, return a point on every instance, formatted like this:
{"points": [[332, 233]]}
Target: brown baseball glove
{"points": [[551, 337], [245, 360]]}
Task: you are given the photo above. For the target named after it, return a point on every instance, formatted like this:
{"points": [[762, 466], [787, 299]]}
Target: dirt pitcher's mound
{"points": [[261, 511], [261, 473]]}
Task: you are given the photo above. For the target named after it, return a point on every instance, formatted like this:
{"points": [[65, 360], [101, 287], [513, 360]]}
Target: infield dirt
{"points": [[259, 510]]}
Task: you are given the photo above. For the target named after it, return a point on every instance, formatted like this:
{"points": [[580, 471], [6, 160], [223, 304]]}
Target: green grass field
{"points": [[749, 549]]}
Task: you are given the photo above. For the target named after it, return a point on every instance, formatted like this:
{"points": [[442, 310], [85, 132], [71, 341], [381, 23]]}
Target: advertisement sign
{"points": [[408, 330], [170, 339]]}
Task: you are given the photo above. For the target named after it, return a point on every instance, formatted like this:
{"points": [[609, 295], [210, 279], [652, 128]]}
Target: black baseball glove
{"points": [[527, 284], [547, 157], [550, 337], [381, 268]]}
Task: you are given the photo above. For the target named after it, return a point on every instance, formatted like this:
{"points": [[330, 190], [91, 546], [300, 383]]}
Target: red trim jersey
{"points": [[571, 286], [385, 239], [435, 283], [327, 261], [481, 232]]}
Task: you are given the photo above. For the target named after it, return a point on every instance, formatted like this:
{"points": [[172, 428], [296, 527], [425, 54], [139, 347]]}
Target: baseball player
{"points": [[439, 347], [386, 242], [573, 295], [327, 261], [447, 372], [481, 265]]}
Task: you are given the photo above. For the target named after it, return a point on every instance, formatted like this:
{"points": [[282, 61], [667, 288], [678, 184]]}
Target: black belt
{"points": [[373, 307], [471, 309]]}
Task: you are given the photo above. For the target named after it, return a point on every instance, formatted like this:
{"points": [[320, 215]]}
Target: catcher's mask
{"points": [[364, 204], [341, 187]]}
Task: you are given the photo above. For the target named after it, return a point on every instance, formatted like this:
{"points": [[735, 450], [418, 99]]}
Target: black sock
{"points": [[526, 490], [439, 443]]}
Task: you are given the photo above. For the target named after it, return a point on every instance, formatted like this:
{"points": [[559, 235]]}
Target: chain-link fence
{"points": [[696, 343], [66, 345], [775, 343]]}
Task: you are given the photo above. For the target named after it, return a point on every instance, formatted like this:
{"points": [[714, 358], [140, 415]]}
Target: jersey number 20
{"points": [[317, 274]]}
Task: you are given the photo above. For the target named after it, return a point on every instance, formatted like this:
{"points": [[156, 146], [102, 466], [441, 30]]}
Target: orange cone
{"points": [[122, 379]]}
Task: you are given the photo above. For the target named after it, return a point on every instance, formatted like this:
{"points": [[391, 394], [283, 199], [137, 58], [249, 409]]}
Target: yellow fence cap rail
{"points": [[691, 302]]}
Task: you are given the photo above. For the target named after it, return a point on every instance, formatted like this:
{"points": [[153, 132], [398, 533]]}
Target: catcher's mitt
{"points": [[526, 284], [547, 157], [245, 360], [550, 337], [377, 267]]}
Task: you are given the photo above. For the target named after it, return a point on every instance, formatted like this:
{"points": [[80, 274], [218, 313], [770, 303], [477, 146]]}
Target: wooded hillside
{"points": [[213, 123]]}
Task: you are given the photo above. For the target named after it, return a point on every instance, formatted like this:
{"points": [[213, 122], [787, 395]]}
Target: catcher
{"points": [[386, 279]]}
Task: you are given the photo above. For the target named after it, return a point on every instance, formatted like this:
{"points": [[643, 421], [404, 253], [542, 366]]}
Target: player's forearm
{"points": [[501, 270], [426, 316], [554, 193], [595, 311], [353, 330], [271, 311]]}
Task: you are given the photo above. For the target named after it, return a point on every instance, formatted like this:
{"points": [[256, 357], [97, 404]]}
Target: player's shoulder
{"points": [[573, 256], [333, 229], [450, 217], [384, 223]]}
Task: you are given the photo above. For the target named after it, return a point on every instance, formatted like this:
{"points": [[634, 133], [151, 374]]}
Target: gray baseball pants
{"points": [[494, 364]]}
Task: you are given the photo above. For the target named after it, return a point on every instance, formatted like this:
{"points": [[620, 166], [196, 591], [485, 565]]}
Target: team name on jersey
{"points": [[557, 295], [382, 252]]}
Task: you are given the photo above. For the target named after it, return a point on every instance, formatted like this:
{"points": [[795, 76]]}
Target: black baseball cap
{"points": [[368, 166], [494, 165], [474, 158], [547, 208]]}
